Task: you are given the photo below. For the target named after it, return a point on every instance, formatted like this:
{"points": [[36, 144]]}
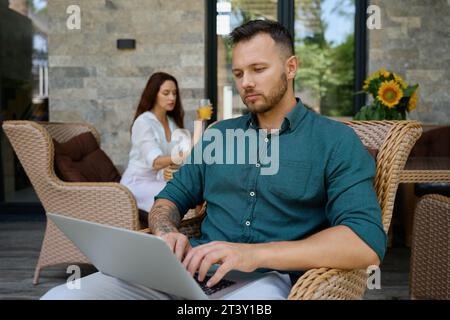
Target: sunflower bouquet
{"points": [[392, 97]]}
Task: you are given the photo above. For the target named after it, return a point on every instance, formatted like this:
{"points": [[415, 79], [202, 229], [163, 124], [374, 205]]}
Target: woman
{"points": [[159, 113]]}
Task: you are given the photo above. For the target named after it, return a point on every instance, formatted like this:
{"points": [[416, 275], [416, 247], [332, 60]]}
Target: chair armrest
{"points": [[191, 226], [106, 203], [327, 283]]}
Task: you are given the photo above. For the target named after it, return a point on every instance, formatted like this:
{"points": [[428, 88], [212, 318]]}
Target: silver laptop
{"points": [[143, 259]]}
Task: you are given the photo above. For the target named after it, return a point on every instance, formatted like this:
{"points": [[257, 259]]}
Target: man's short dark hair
{"points": [[276, 30]]}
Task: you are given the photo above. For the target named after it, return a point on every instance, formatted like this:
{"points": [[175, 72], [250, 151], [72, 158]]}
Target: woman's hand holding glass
{"points": [[205, 110]]}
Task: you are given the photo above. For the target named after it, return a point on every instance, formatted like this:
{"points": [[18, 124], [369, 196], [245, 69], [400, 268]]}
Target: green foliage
{"points": [[381, 108], [250, 10], [328, 73], [410, 90], [377, 111], [31, 4]]}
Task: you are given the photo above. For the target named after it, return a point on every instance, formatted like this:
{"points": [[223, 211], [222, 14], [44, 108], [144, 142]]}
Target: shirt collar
{"points": [[151, 115], [291, 121]]}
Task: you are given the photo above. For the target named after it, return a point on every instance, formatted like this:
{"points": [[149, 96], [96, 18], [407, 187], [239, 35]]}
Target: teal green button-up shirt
{"points": [[324, 178]]}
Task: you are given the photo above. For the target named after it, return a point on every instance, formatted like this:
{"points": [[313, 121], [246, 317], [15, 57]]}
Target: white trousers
{"points": [[97, 286], [144, 185]]}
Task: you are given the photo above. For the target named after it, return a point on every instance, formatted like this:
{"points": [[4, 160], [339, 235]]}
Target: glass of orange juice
{"points": [[205, 109]]}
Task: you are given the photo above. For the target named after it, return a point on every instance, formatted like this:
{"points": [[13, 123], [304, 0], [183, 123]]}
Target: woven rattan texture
{"points": [[430, 250], [106, 203]]}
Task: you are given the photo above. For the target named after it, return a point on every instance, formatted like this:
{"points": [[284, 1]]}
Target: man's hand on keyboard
{"points": [[178, 243], [230, 256]]}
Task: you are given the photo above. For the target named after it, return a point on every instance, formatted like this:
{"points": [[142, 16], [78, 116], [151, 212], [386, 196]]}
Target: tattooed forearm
{"points": [[163, 218]]}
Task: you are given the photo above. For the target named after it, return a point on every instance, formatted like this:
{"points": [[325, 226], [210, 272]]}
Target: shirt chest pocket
{"points": [[291, 180], [225, 178]]}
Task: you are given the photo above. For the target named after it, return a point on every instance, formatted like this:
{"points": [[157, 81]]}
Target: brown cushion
{"points": [[143, 217], [373, 152], [433, 143], [81, 160]]}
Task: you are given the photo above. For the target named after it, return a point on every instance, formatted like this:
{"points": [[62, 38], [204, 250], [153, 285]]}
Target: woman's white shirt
{"points": [[148, 141]]}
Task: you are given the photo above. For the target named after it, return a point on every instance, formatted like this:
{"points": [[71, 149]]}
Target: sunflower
{"points": [[400, 81], [369, 80], [366, 85], [390, 93], [413, 101], [384, 73]]}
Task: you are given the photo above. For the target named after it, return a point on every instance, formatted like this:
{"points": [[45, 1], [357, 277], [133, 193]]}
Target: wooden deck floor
{"points": [[21, 237]]}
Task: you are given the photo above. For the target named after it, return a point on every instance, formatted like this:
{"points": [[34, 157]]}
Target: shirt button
{"points": [[252, 194], [258, 165], [266, 140], [247, 223]]}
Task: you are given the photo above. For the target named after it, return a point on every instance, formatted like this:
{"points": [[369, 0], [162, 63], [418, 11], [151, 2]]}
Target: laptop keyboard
{"points": [[219, 286]]}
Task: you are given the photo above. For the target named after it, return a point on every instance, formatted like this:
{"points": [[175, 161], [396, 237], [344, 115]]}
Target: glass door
{"points": [[231, 14], [23, 87], [325, 46], [324, 33]]}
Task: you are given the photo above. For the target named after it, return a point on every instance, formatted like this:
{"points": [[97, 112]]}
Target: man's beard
{"points": [[272, 99]]}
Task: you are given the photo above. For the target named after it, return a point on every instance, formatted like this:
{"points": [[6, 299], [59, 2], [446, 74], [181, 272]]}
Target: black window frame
{"points": [[361, 52]]}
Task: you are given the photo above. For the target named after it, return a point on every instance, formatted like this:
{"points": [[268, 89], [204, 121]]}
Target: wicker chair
{"points": [[107, 203], [430, 250], [394, 141]]}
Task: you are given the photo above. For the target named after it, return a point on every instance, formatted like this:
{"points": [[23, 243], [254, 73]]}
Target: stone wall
{"points": [[91, 80], [414, 41]]}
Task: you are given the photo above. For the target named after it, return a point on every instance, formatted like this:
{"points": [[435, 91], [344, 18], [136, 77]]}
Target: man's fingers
{"points": [[187, 249], [188, 257], [196, 258], [194, 262], [219, 274], [170, 242], [180, 247], [178, 244], [207, 262]]}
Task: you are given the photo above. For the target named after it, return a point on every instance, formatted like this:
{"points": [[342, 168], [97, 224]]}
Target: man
{"points": [[318, 210]]}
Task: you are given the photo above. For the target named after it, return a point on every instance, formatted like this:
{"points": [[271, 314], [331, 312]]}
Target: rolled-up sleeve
{"points": [[352, 200], [185, 189], [145, 137]]}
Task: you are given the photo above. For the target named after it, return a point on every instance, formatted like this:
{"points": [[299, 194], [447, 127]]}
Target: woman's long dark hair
{"points": [[148, 98]]}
